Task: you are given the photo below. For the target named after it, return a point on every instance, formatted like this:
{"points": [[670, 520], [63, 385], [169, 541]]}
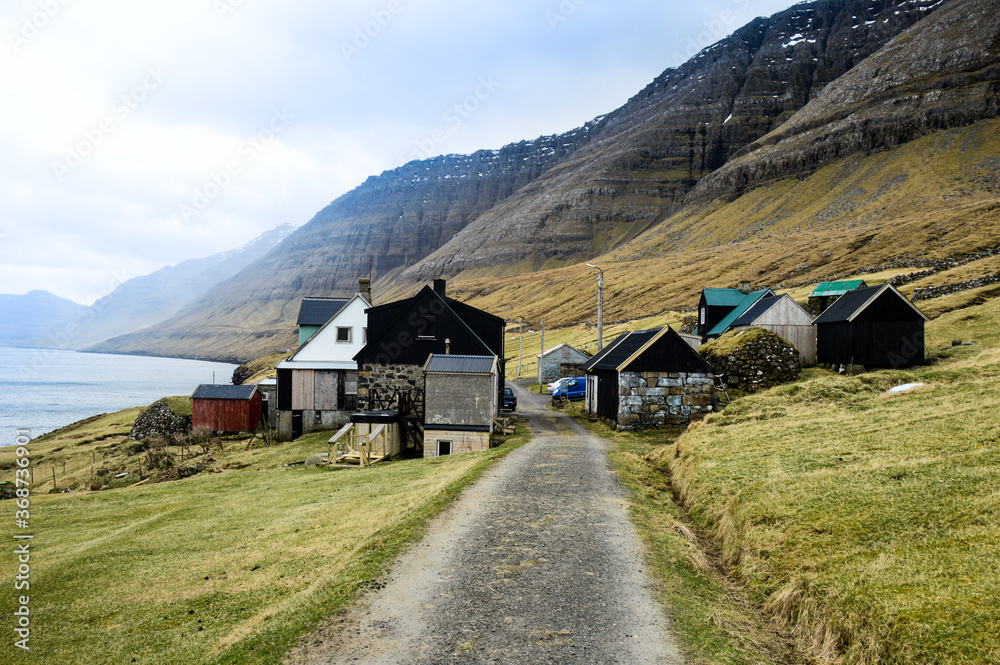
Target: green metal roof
{"points": [[836, 288], [747, 301], [722, 297]]}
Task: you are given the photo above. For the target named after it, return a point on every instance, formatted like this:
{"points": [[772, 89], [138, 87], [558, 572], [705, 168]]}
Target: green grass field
{"points": [[227, 567], [864, 523]]}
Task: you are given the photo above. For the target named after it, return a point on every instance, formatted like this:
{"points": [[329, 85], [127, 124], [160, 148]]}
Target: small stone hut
{"points": [[649, 378], [753, 359], [554, 363]]}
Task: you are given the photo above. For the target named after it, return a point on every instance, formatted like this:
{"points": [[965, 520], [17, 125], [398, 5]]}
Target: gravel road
{"points": [[535, 563]]}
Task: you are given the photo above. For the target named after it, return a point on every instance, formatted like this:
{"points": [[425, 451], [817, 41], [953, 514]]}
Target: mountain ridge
{"points": [[218, 323]]}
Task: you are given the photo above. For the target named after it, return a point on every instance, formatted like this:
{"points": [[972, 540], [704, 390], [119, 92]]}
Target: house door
{"points": [[296, 424]]}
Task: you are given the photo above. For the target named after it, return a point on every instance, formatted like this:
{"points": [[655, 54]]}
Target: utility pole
{"points": [[600, 306], [520, 341]]}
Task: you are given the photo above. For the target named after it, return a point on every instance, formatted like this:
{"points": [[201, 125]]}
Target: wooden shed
{"points": [[876, 327], [460, 403], [786, 318], [648, 378], [226, 408]]}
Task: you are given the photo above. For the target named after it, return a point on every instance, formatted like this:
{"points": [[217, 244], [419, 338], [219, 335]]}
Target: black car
{"points": [[509, 400]]}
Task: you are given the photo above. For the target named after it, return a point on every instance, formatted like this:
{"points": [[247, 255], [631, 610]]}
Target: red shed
{"points": [[226, 408]]}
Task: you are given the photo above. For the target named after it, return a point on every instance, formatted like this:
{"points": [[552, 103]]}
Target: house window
{"points": [[319, 417], [444, 447], [702, 316], [364, 335], [427, 327], [344, 335]]}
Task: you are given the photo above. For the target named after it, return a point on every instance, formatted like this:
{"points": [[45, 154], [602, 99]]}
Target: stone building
{"points": [[649, 378], [559, 361], [402, 335]]}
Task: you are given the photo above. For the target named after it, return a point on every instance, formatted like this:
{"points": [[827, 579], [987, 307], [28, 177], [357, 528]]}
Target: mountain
{"points": [[23, 318], [645, 158], [144, 301], [628, 184]]}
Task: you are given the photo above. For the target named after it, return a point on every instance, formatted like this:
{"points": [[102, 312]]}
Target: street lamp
{"points": [[600, 306]]}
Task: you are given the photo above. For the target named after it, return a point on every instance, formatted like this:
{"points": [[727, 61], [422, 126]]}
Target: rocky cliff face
{"points": [[645, 157], [943, 72]]}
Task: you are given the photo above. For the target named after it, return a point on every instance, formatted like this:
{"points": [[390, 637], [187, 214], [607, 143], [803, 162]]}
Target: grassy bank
{"points": [[864, 522], [227, 567]]}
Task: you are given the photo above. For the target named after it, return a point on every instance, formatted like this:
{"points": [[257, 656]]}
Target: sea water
{"points": [[44, 389]]}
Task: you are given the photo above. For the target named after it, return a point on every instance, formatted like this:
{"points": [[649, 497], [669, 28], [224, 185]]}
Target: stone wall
{"points": [[386, 379], [651, 399], [751, 359]]}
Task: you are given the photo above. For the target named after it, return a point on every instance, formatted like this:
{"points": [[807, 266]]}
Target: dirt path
{"points": [[536, 563]]}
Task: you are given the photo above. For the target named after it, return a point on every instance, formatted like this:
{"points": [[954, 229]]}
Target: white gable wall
{"points": [[324, 347]]}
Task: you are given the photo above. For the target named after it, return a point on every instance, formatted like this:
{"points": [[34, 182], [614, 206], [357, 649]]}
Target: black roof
{"points": [[317, 311], [599, 356], [460, 364], [847, 305], [852, 303], [219, 391], [623, 349], [395, 329], [756, 311]]}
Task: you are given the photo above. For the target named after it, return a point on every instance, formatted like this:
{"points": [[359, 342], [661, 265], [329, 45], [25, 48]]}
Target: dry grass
{"points": [[227, 567], [865, 522]]}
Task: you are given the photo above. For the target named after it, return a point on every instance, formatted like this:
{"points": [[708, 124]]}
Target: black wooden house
{"points": [[403, 334], [648, 378], [876, 327]]}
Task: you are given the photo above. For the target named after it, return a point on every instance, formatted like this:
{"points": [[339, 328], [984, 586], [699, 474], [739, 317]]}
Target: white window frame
{"points": [[451, 446], [350, 335]]}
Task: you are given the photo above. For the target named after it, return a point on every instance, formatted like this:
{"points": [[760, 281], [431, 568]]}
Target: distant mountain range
{"points": [[779, 99], [25, 318], [41, 319]]}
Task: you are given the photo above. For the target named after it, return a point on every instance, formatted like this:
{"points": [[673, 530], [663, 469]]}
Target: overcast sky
{"points": [[136, 134]]}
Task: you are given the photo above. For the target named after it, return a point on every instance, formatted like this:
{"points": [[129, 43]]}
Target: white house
{"points": [[318, 384]]}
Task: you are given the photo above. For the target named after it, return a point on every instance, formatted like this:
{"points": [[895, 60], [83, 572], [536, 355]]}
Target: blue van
{"points": [[574, 389]]}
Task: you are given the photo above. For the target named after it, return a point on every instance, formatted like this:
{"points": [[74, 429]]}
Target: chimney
{"points": [[365, 288], [745, 286], [447, 346], [440, 287]]}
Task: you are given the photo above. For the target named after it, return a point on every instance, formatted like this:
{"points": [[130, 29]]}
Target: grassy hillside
{"points": [[933, 198], [225, 567], [864, 522]]}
